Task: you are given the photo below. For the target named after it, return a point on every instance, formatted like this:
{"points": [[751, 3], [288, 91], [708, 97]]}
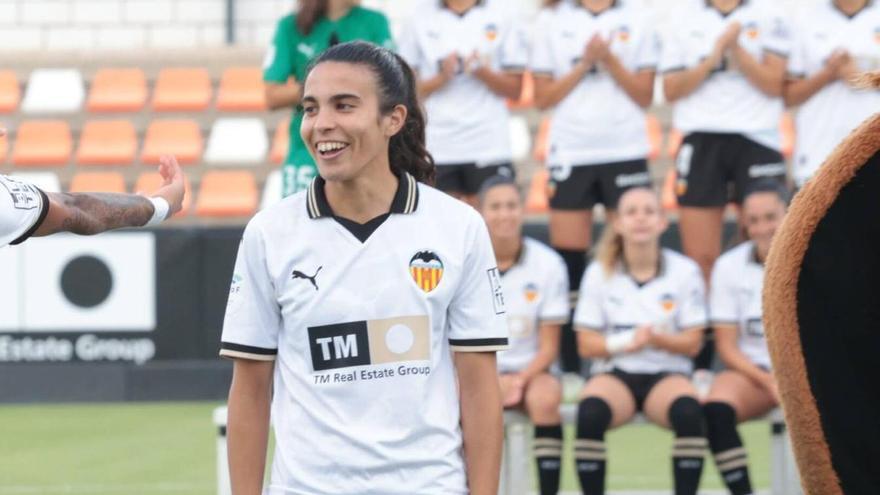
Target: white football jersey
{"points": [[536, 293], [834, 111], [674, 301], [596, 122], [735, 299], [467, 122], [362, 333], [22, 209], [726, 102]]}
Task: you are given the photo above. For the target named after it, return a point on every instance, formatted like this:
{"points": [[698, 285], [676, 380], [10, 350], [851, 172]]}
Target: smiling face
{"points": [[639, 218], [502, 209], [762, 215], [342, 125]]}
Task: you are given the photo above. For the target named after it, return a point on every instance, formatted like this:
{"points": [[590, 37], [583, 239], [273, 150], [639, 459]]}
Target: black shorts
{"points": [[581, 187], [714, 169], [639, 384], [466, 178]]}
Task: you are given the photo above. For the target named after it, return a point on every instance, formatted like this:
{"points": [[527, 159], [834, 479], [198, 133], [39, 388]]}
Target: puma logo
{"points": [[298, 274]]}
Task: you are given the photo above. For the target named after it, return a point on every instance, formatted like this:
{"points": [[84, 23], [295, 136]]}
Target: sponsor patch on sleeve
{"points": [[497, 291]]}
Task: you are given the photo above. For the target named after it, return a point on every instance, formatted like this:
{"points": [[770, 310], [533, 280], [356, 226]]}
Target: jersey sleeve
{"points": [[673, 55], [541, 51], [23, 207], [278, 61], [515, 48], [796, 67], [588, 314], [555, 307], [253, 316], [693, 312], [722, 296], [476, 315], [647, 54], [408, 47], [778, 40]]}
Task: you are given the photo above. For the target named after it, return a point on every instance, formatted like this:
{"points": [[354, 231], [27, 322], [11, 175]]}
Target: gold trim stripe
{"points": [[589, 456], [547, 442], [689, 453], [730, 454], [589, 444], [734, 464], [691, 442], [246, 355], [547, 452]]}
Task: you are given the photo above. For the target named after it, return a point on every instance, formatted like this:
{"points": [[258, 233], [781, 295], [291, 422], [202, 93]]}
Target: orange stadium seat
{"points": [[241, 90], [527, 95], [107, 142], [540, 150], [98, 182], [538, 200], [182, 90], [10, 92], [181, 138], [227, 194], [788, 134], [118, 90], [148, 182], [280, 143], [42, 143], [655, 136]]}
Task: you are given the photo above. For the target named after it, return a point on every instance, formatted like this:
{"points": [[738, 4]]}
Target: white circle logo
{"points": [[399, 339]]}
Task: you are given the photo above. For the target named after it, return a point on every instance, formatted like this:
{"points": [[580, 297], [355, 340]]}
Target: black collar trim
{"points": [[661, 270], [520, 254], [405, 201]]}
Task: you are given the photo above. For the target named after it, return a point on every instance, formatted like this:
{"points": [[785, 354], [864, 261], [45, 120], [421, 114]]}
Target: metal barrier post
{"points": [[223, 487]]}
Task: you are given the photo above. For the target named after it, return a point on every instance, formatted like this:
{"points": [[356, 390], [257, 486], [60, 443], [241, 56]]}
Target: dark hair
{"points": [[396, 86], [769, 186], [308, 14], [496, 181]]}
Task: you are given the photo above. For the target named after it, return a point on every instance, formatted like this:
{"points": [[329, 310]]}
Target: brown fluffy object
{"points": [[818, 476]]}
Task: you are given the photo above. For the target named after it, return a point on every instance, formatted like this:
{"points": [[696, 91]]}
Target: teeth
{"points": [[326, 146]]}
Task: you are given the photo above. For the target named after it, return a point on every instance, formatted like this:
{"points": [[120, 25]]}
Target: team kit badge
{"points": [[426, 269]]}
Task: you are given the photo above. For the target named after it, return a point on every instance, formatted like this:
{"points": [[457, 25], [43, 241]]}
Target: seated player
{"points": [[536, 297], [27, 211], [746, 389], [641, 314]]}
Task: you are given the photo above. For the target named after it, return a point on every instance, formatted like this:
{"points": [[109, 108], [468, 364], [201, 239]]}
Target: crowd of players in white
{"points": [[641, 310]]}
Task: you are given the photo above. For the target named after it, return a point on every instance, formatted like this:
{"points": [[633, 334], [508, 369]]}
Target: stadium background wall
{"points": [[169, 354]]}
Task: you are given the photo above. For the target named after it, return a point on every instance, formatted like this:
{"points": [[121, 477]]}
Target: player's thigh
{"points": [[663, 394], [542, 398], [615, 393], [701, 230], [756, 162], [701, 174], [747, 398], [616, 178]]}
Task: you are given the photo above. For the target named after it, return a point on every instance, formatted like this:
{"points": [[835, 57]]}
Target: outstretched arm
{"points": [[93, 213]]}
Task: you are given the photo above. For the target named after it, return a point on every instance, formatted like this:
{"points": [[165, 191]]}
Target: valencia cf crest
{"points": [[623, 34], [667, 302], [426, 269], [530, 291], [491, 32], [752, 31]]}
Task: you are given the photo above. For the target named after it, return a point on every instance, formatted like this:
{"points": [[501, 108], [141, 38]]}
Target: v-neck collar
{"points": [[405, 201], [742, 4], [854, 14], [661, 269]]}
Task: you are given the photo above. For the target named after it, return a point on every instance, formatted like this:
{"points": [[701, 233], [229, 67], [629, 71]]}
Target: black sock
{"points": [[576, 262], [548, 456], [686, 417], [727, 447], [593, 419]]}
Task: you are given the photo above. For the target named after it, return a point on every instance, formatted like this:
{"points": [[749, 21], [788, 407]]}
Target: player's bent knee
{"points": [[593, 418], [686, 417]]}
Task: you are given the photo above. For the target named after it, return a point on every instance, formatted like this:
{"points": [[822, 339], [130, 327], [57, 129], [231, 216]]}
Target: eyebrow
{"points": [[342, 96]]}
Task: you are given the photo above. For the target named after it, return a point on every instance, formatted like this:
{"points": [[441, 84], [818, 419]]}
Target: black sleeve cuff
{"points": [[43, 212]]}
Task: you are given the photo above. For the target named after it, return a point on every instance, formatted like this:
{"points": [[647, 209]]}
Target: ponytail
{"points": [[609, 250], [396, 86]]}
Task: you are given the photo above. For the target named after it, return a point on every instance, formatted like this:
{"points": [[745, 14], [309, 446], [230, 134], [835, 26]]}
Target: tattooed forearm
{"points": [[92, 213]]}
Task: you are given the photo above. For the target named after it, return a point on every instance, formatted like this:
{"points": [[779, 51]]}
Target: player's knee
{"points": [[593, 418], [686, 417], [720, 424], [543, 405]]}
